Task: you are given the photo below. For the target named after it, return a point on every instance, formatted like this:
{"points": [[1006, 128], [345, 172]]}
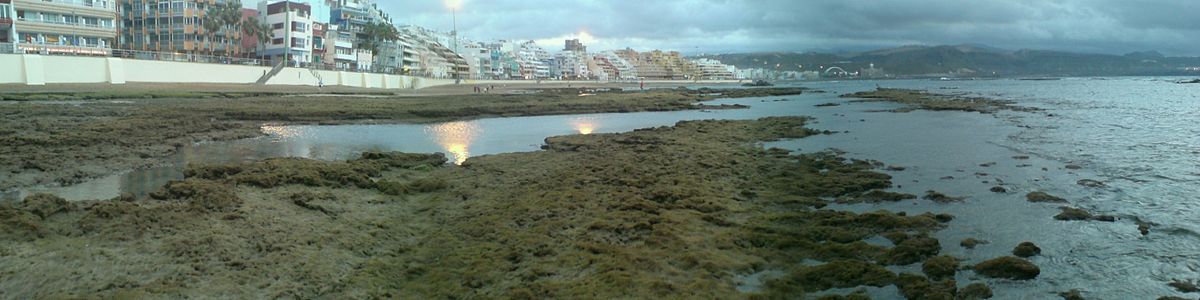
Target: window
{"points": [[277, 26], [278, 41]]}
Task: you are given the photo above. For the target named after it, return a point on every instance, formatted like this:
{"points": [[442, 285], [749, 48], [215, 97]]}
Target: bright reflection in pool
{"points": [[584, 125], [455, 137]]}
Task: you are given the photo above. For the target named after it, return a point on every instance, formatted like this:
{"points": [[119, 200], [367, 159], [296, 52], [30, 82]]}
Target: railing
{"points": [[50, 49], [75, 24], [111, 4], [69, 50]]}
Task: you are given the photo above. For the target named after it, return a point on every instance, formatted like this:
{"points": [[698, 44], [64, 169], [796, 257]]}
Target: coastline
{"points": [[692, 209], [100, 137]]}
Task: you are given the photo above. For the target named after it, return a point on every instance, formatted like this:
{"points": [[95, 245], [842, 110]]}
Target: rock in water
{"points": [[1043, 197], [975, 291], [1026, 249], [940, 267], [1008, 267], [1071, 295], [970, 243], [1090, 183]]}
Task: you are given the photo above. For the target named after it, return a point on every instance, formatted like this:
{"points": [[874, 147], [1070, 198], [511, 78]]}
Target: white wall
{"points": [[32, 69], [13, 69], [74, 69], [170, 71]]}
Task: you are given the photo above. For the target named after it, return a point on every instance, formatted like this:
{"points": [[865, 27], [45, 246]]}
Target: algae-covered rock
{"points": [[19, 224], [941, 198], [970, 243], [919, 287], [877, 196], [1043, 197], [1008, 267], [836, 274], [1186, 286], [1073, 214], [911, 250], [1073, 294], [1026, 249], [45, 205], [1090, 183], [974, 291], [202, 194], [856, 295], [939, 267]]}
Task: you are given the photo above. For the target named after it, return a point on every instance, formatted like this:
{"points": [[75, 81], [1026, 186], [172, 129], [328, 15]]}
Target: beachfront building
{"points": [[711, 69], [63, 26], [318, 43], [340, 53], [624, 70], [7, 12], [291, 24], [176, 27]]}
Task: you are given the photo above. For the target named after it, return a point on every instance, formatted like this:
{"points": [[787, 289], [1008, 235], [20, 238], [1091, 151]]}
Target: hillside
{"points": [[971, 61]]}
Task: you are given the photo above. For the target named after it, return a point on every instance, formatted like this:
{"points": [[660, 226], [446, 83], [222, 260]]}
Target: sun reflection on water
{"points": [[584, 125], [281, 131], [455, 137]]}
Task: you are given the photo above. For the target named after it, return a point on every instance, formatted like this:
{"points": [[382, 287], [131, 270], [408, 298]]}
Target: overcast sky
{"points": [[721, 26]]}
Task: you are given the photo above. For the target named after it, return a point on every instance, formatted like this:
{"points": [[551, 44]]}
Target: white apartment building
{"points": [[291, 22]]}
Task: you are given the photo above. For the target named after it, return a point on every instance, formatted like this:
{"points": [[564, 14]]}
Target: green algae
{"points": [[1008, 267], [1043, 197], [940, 267], [914, 100], [1026, 250], [975, 291], [918, 287], [673, 212]]}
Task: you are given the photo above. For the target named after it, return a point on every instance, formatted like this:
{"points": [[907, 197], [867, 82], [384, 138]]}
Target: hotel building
{"points": [[173, 26], [79, 23]]}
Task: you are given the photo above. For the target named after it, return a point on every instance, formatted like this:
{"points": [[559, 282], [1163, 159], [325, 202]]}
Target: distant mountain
{"points": [[971, 61]]}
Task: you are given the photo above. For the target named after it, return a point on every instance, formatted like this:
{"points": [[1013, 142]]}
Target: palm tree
{"points": [[231, 18], [212, 23], [226, 16], [377, 34], [261, 32]]}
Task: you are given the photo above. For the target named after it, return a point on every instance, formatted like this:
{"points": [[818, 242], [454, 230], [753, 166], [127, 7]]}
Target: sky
{"points": [[729, 26]]}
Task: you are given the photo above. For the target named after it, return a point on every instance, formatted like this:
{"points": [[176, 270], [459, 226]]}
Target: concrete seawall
{"points": [[32, 69]]}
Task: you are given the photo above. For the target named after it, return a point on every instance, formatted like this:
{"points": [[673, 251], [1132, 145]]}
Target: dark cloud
{"points": [[1105, 26]]}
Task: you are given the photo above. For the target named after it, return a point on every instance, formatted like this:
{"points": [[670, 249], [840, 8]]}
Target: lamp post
{"points": [[454, 5]]}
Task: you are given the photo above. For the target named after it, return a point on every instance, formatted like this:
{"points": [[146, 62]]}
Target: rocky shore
{"points": [[688, 211], [63, 138]]}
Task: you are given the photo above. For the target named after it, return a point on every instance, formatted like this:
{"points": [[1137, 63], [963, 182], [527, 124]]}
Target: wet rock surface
{"points": [[915, 99], [1026, 249], [1008, 267], [650, 212], [1042, 197], [970, 243]]}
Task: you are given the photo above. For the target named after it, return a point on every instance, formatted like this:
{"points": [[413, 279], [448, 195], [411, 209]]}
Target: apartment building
{"points": [[291, 23], [712, 69], [7, 34], [78, 23], [175, 26]]}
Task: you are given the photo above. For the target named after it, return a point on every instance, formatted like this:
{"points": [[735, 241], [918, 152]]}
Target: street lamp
{"points": [[454, 5]]}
